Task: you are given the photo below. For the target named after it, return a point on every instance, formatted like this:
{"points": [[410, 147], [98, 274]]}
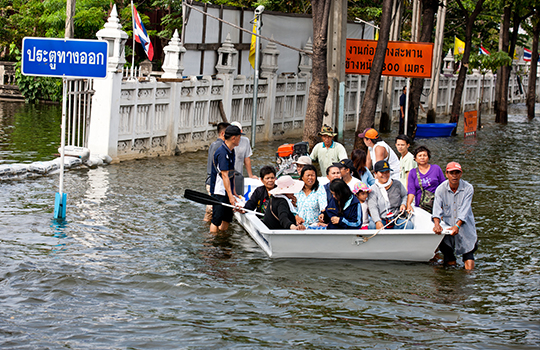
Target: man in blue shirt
{"points": [[402, 103], [452, 205], [210, 163], [221, 186]]}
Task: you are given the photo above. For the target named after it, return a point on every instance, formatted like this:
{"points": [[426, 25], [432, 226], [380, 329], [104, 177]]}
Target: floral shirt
{"points": [[310, 206]]}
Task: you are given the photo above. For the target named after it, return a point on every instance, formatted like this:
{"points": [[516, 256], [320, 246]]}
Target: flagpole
{"points": [[258, 12], [133, 28]]}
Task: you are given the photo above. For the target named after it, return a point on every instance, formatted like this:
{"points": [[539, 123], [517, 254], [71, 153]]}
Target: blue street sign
{"points": [[71, 58]]}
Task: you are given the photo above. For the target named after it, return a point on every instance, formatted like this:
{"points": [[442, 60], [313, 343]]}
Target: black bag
{"points": [[428, 197], [235, 176]]}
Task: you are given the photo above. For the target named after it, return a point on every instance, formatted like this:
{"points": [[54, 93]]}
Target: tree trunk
{"points": [[70, 23], [460, 83], [503, 89], [531, 89], [369, 105], [430, 8], [318, 90]]}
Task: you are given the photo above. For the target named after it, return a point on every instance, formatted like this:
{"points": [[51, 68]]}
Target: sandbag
{"points": [[70, 162], [93, 161], [43, 167], [74, 151]]}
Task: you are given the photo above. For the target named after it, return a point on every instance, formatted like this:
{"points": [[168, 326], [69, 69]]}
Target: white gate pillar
{"points": [[104, 118]]}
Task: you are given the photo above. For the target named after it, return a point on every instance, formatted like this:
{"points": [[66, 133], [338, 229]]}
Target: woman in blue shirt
{"points": [[312, 199], [344, 210]]}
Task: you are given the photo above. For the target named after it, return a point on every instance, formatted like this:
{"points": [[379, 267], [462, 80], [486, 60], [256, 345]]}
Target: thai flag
{"points": [[527, 55], [483, 51], [141, 36]]}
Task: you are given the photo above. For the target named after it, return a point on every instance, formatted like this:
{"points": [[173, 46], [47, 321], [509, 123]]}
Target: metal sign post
{"points": [[65, 58], [258, 12]]}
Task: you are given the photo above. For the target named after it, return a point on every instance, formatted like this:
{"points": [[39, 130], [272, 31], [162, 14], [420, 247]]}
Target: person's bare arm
{"points": [[247, 163], [227, 185], [380, 154]]}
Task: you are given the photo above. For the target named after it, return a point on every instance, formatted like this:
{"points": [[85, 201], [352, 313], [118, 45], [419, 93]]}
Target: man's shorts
{"points": [[221, 213]]}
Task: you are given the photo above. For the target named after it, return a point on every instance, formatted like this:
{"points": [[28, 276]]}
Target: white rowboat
{"points": [[418, 244]]}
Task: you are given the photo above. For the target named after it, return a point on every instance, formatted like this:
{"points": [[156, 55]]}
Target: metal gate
{"points": [[79, 105]]}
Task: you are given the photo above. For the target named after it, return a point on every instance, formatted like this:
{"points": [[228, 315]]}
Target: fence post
{"points": [[269, 67], [226, 67], [103, 133]]}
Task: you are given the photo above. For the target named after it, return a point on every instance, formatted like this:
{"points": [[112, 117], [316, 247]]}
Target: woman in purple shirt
{"points": [[431, 176]]}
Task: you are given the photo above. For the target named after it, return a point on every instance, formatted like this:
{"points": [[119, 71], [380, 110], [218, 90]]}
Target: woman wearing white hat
{"points": [[280, 212]]}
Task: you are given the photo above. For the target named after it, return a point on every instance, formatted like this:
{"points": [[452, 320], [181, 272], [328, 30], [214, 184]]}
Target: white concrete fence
{"points": [[166, 113]]}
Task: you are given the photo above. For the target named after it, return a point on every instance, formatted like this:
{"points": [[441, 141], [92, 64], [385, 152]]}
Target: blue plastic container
{"points": [[435, 130]]}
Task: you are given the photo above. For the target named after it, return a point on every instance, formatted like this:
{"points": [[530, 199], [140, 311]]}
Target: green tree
{"points": [[485, 63], [470, 11]]}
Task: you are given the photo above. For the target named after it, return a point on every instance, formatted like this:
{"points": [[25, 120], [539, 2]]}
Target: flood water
{"points": [[134, 266]]}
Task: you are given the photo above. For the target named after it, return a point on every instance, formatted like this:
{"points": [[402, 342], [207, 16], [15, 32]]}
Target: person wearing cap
{"points": [[362, 191], [349, 174], [430, 175], [303, 160], [387, 199], [209, 164], [328, 151], [243, 154], [453, 206], [221, 187], [280, 213], [379, 150]]}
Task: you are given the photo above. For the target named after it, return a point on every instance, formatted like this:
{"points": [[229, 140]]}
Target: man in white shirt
{"points": [[406, 162], [243, 153]]}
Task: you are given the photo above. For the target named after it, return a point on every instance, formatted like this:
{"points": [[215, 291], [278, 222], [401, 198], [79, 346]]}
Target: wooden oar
{"points": [[206, 199]]}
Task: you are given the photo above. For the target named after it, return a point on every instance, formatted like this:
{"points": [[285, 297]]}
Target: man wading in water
{"points": [[453, 199]]}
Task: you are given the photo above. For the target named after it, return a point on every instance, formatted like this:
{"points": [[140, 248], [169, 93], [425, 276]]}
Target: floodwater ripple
{"points": [[135, 267]]}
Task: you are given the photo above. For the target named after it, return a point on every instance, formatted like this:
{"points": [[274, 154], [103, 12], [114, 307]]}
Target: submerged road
{"points": [[135, 267]]}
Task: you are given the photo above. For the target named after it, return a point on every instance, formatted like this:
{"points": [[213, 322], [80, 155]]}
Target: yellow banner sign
{"points": [[403, 59]]}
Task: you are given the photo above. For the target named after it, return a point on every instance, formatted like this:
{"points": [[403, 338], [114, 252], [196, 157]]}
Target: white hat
{"points": [[287, 184], [235, 123], [304, 160]]}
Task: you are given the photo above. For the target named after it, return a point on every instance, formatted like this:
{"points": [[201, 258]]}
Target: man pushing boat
{"points": [[221, 186]]}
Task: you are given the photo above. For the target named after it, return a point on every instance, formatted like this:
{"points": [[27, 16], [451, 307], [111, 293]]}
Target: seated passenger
{"points": [[303, 160], [280, 211], [344, 210], [361, 191], [359, 157], [259, 198], [332, 172], [311, 200], [431, 176], [349, 174], [386, 200]]}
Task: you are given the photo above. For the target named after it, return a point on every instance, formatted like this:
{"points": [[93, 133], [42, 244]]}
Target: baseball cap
{"points": [[235, 123], [453, 166], [233, 130], [347, 163], [369, 133], [382, 165]]}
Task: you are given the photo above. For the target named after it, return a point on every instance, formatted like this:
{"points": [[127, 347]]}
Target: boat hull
{"points": [[404, 245]]}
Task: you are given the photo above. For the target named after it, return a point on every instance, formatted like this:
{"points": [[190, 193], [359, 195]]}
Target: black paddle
{"points": [[206, 199]]}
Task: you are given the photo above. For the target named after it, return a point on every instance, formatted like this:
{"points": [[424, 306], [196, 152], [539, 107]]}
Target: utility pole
{"points": [[388, 84], [436, 67], [337, 39], [70, 25]]}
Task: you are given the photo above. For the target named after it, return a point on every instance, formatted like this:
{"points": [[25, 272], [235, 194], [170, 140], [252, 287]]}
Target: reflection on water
{"points": [[134, 266]]}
